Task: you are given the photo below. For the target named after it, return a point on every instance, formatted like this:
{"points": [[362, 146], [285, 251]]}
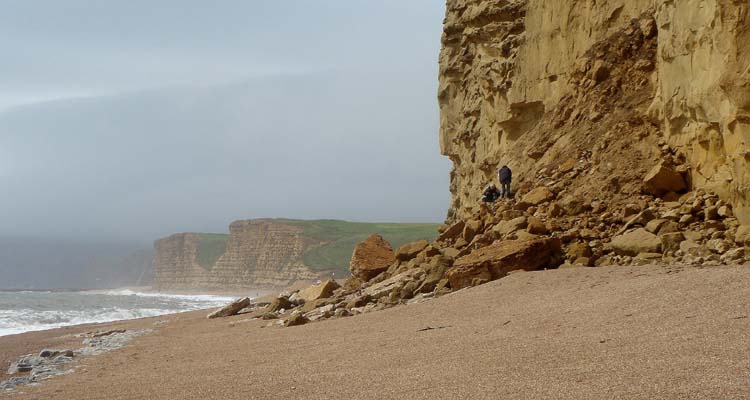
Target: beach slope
{"points": [[615, 332]]}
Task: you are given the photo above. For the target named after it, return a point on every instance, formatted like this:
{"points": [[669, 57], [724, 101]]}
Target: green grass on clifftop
{"points": [[210, 247], [341, 237]]}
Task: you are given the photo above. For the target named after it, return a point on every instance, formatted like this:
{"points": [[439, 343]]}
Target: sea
{"points": [[26, 311]]}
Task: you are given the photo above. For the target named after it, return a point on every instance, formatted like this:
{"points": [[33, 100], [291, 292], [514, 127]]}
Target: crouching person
{"points": [[490, 194]]}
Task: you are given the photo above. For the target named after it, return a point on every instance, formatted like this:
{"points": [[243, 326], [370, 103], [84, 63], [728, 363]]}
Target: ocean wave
{"points": [[194, 297], [41, 311], [27, 320]]}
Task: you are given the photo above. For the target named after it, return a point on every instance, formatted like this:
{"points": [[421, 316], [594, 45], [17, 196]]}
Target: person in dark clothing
{"points": [[505, 176], [490, 194]]}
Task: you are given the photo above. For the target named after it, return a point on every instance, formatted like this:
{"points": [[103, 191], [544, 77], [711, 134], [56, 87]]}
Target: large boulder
{"points": [[410, 250], [662, 180], [322, 290], [434, 273], [496, 260], [230, 309], [572, 205], [472, 229], [278, 304], [636, 242], [538, 196], [452, 232], [743, 235], [671, 241], [383, 288], [508, 227], [371, 257]]}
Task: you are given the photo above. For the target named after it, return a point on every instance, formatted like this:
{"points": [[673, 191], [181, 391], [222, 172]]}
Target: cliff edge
{"points": [[621, 85]]}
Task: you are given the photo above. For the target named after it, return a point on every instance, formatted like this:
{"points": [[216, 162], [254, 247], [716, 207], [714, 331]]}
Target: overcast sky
{"points": [[136, 119]]}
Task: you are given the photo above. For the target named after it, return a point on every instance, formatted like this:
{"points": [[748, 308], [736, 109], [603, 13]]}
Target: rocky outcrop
{"points": [[624, 83], [259, 253]]}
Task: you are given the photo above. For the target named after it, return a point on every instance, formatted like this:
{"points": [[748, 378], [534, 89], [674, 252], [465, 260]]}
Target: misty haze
{"points": [[124, 123]]}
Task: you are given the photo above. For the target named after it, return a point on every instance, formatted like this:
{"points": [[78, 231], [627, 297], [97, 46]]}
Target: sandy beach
{"points": [[624, 332]]}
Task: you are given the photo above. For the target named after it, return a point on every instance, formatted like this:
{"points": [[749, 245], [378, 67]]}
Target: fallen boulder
{"points": [[496, 260], [671, 241], [572, 205], [320, 291], [297, 318], [371, 257], [472, 229], [278, 304], [452, 232], [743, 235], [662, 180], [508, 227], [538, 196], [231, 309], [410, 250], [636, 242]]}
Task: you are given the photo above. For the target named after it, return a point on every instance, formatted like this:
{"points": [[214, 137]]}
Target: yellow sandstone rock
{"points": [[528, 83]]}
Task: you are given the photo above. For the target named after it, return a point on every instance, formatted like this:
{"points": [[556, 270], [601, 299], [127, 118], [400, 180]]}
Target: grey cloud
{"points": [[197, 113]]}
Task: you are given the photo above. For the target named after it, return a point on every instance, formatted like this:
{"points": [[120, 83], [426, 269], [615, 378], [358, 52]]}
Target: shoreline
{"points": [[590, 332], [216, 300], [32, 342]]}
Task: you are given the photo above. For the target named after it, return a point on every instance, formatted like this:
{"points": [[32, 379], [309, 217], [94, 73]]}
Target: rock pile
{"points": [[544, 229]]}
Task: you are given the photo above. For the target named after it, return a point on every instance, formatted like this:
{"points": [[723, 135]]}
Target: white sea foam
{"points": [[33, 311], [192, 297]]}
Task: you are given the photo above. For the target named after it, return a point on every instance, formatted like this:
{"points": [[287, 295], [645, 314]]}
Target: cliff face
{"points": [[269, 252], [618, 85], [259, 253]]}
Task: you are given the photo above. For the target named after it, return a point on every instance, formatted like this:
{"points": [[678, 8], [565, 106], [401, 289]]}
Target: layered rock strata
{"points": [[259, 253], [534, 84]]}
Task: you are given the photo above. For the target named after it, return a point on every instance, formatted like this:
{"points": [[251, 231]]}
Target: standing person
{"points": [[505, 176]]}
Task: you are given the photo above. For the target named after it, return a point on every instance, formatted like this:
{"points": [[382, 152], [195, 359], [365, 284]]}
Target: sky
{"points": [[134, 120]]}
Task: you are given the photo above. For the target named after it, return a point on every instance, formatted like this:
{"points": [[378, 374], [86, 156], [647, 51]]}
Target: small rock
{"points": [[296, 319]]}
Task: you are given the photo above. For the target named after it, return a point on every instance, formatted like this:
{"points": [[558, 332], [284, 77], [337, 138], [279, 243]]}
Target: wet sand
{"points": [[603, 333]]}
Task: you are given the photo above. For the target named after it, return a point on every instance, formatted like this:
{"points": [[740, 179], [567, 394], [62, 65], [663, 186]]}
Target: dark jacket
{"points": [[505, 174]]}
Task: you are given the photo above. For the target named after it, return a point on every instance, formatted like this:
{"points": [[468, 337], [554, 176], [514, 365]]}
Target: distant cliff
{"points": [[268, 253]]}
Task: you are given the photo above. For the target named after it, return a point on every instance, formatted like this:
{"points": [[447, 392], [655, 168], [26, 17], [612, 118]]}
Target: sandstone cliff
{"points": [[618, 85], [259, 253], [268, 252]]}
